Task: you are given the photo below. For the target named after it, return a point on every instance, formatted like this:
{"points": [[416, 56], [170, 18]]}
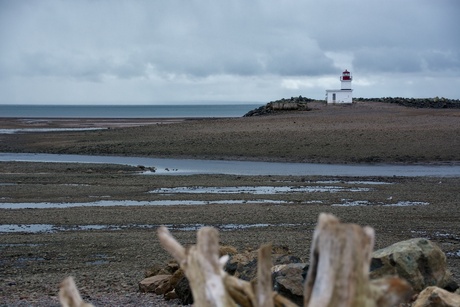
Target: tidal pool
{"points": [[110, 203], [49, 228], [32, 130], [353, 203], [257, 190]]}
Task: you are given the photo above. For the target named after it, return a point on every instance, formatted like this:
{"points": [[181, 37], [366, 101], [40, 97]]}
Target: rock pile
{"points": [[419, 261], [294, 103], [433, 103]]}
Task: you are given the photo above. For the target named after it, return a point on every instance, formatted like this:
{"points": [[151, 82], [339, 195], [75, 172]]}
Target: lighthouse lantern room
{"points": [[344, 95]]}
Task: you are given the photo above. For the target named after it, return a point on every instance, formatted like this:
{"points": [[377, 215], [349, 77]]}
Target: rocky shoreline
{"points": [[301, 104], [426, 103], [108, 249]]}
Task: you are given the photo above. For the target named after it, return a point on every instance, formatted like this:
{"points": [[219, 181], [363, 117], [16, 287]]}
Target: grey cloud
{"points": [[177, 37], [387, 60], [438, 60], [151, 43]]}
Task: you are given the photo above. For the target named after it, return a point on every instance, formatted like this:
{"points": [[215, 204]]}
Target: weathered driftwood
{"points": [[264, 277], [339, 268], [338, 275], [69, 295], [210, 284], [201, 265]]}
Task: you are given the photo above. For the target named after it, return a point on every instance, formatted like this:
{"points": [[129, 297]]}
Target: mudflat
{"points": [[108, 240], [359, 133]]}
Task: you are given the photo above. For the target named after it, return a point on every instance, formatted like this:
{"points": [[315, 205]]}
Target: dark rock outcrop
{"points": [[432, 103], [288, 280], [294, 103]]}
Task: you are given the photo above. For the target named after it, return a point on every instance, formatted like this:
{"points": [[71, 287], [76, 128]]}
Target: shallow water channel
{"points": [[195, 166]]}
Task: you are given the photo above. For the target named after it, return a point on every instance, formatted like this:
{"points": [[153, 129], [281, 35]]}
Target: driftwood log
{"points": [[210, 284], [338, 274], [69, 296]]}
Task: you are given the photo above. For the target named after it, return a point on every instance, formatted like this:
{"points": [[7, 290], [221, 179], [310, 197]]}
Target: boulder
{"points": [[227, 250], [434, 297], [175, 278], [421, 262], [158, 284], [183, 291], [244, 265], [288, 280], [171, 295], [158, 269]]}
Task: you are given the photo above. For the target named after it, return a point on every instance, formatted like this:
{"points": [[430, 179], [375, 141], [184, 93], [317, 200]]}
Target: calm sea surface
{"points": [[126, 111]]}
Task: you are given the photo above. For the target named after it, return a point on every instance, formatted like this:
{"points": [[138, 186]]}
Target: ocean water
{"points": [[126, 111]]}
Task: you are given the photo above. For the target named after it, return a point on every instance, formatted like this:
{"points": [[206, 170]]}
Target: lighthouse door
{"points": [[333, 97]]}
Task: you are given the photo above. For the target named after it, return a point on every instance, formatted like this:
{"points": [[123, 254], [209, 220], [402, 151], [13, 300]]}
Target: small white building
{"points": [[345, 94]]}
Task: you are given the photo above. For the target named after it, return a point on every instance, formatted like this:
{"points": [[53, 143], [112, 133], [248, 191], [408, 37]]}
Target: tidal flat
{"points": [[110, 259], [108, 248]]}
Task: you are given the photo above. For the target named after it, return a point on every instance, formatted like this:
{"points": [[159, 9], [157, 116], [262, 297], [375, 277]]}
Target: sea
{"points": [[127, 111]]}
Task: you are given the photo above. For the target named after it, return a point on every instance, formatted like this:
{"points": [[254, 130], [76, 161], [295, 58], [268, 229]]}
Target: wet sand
{"points": [[109, 262]]}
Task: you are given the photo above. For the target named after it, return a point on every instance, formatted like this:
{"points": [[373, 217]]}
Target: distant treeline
{"points": [[434, 103]]}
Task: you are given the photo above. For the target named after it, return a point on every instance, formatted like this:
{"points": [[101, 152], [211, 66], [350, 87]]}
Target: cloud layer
{"points": [[140, 51]]}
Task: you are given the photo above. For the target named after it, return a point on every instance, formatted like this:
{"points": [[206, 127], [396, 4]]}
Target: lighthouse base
{"points": [[339, 96]]}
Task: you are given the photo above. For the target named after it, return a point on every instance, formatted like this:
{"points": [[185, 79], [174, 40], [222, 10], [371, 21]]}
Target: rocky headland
{"points": [[301, 104]]}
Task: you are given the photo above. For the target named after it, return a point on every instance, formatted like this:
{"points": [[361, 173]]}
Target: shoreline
{"points": [[86, 122]]}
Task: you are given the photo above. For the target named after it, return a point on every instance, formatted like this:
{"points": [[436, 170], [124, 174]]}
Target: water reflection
{"points": [[40, 130], [194, 166], [257, 190], [49, 228], [111, 203]]}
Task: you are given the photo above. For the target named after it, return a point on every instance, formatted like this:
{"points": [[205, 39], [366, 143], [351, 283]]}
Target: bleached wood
{"points": [[210, 284], [338, 275], [264, 277], [201, 265], [171, 245], [69, 296]]}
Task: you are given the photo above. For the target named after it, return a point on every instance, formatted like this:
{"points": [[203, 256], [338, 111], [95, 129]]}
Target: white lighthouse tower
{"points": [[345, 94]]}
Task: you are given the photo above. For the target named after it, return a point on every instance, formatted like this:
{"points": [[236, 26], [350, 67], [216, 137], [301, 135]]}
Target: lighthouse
{"points": [[345, 94]]}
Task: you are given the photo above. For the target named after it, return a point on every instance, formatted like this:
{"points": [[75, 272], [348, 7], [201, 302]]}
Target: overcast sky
{"points": [[178, 51]]}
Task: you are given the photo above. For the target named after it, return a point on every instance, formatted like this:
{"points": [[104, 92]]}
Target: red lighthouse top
{"points": [[346, 76]]}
